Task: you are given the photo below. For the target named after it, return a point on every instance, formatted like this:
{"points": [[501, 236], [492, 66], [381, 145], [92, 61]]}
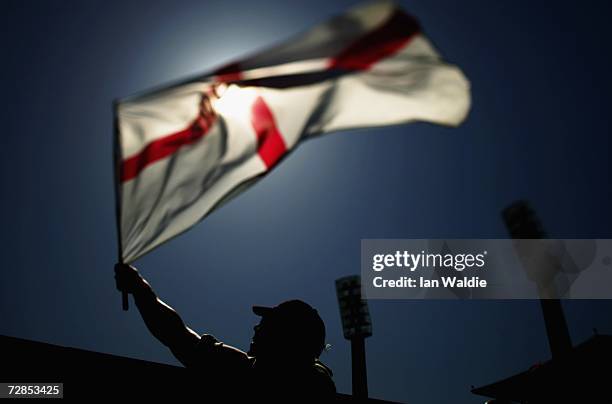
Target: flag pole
{"points": [[116, 171]]}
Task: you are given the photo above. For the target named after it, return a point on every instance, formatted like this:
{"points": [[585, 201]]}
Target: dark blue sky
{"points": [[539, 129]]}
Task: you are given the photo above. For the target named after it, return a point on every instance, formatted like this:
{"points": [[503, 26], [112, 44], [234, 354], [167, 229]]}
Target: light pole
{"points": [[356, 326], [522, 223]]}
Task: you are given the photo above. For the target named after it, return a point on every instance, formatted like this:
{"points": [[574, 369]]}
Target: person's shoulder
{"points": [[220, 368], [208, 344], [214, 354], [322, 368], [323, 378]]}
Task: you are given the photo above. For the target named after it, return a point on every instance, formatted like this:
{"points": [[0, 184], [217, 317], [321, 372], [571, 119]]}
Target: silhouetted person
{"points": [[281, 364]]}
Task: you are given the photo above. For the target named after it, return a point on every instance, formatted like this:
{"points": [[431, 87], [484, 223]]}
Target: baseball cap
{"points": [[301, 318]]}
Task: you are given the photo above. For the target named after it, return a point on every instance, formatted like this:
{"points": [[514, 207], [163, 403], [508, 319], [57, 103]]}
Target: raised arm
{"points": [[161, 320]]}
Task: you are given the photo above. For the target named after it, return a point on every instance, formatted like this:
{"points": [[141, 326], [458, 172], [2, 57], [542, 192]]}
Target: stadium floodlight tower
{"points": [[356, 326], [523, 223]]}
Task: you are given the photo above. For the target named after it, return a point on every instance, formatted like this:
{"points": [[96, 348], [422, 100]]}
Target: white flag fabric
{"points": [[183, 150]]}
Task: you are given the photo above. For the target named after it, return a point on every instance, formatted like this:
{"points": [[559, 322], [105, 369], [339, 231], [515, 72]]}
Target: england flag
{"points": [[184, 150]]}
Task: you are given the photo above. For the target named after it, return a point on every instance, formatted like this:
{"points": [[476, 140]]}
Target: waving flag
{"points": [[184, 150]]}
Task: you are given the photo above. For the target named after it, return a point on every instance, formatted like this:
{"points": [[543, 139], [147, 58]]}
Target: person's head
{"points": [[293, 330]]}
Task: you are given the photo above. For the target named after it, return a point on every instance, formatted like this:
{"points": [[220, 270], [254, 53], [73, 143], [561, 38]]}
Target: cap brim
{"points": [[261, 310]]}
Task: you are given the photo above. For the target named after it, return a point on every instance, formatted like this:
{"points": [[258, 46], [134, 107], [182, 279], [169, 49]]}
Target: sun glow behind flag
{"points": [[184, 150]]}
